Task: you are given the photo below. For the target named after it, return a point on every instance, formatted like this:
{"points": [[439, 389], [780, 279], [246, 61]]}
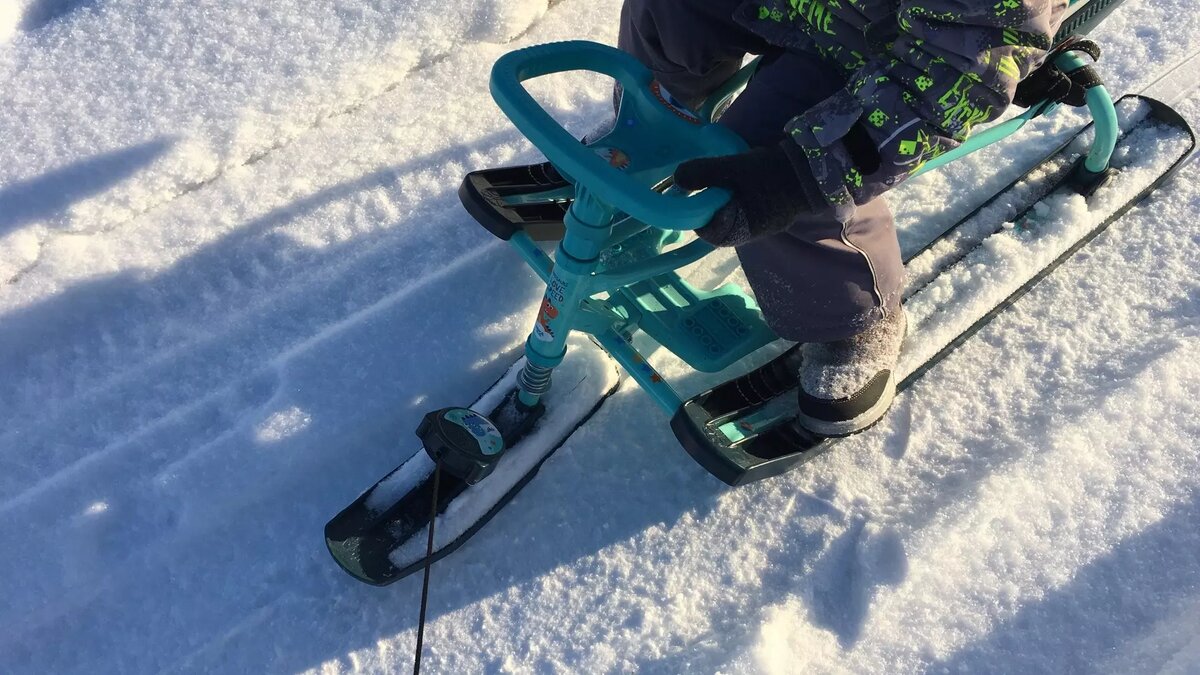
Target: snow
{"points": [[235, 275], [116, 107]]}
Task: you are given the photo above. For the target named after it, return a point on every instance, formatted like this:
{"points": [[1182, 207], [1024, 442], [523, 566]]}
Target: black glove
{"points": [[768, 192]]}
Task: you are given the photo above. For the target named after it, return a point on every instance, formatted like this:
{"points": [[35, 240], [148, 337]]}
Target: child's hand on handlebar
{"points": [[768, 191]]}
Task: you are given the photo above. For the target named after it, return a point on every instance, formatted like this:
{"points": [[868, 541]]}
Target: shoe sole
{"points": [[856, 424]]}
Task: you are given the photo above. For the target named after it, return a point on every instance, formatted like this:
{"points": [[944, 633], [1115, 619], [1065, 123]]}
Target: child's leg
{"points": [[832, 274], [693, 46], [832, 280], [825, 280]]}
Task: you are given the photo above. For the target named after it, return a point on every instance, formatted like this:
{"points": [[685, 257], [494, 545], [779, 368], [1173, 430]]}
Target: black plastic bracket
{"points": [[772, 453], [487, 196], [1086, 182]]}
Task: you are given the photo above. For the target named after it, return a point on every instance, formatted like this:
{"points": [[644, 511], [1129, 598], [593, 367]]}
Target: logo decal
{"points": [[481, 429], [542, 330], [556, 293]]}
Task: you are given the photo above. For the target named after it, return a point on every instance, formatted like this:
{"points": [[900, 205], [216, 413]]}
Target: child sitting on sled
{"points": [[851, 97]]}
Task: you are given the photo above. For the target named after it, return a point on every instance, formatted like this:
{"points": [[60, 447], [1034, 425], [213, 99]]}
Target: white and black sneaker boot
{"points": [[847, 385]]}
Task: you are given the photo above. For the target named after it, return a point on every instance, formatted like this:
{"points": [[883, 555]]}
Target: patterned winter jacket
{"points": [[921, 74]]}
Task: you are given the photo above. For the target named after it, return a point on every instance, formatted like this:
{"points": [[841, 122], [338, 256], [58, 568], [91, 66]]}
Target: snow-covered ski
{"points": [[374, 539]]}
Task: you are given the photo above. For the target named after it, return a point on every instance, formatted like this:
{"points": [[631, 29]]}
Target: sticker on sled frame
{"points": [[616, 158], [667, 99]]}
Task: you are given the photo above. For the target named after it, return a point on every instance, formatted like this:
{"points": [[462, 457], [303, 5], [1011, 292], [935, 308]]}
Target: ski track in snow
{"points": [[231, 321], [264, 80]]}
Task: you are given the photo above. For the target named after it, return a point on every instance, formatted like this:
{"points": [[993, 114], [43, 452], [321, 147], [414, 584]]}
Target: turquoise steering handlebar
{"points": [[652, 131]]}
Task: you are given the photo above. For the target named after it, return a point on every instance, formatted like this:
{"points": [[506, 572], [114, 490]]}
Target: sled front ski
{"points": [[742, 439], [379, 538]]}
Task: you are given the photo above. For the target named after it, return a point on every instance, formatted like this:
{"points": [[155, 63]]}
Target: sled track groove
{"points": [[347, 109], [273, 369]]}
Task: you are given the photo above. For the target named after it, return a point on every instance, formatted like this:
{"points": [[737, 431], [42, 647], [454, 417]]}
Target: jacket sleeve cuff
{"points": [[813, 194], [818, 133]]}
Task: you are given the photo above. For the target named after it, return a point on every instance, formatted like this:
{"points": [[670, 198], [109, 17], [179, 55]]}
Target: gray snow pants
{"points": [[834, 272]]}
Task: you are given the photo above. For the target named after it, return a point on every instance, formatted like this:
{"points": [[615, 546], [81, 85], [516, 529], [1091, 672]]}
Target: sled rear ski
{"points": [[615, 273]]}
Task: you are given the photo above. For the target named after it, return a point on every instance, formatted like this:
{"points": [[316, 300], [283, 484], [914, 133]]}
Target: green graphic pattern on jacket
{"points": [[921, 75]]}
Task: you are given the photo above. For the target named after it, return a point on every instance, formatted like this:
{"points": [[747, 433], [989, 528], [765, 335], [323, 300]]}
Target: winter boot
{"points": [[847, 385]]}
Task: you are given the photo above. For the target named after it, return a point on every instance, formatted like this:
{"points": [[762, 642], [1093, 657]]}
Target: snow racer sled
{"points": [[621, 232]]}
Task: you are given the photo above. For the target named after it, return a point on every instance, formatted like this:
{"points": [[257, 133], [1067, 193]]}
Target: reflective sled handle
{"points": [[668, 210]]}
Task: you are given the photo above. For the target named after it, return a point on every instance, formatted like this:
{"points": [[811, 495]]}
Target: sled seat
{"points": [[709, 330]]}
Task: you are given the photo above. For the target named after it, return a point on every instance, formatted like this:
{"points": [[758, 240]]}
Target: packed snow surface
{"points": [[234, 275]]}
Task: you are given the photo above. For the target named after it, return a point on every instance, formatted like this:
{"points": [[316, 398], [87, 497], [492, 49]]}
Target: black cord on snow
{"points": [[437, 475]]}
